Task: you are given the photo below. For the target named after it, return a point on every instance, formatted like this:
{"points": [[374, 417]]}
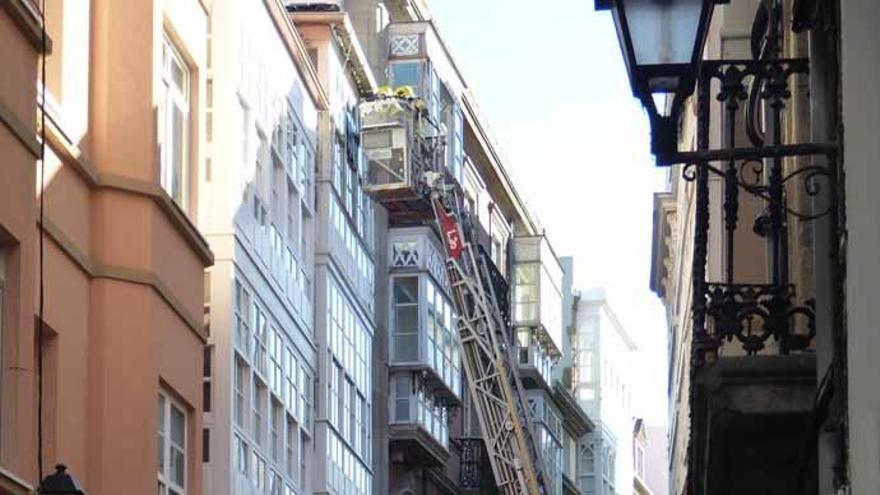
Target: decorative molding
{"points": [[13, 485], [71, 155], [142, 277], [21, 132], [27, 18]]}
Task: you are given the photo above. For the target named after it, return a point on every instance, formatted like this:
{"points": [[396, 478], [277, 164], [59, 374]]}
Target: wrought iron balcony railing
{"points": [[754, 299], [475, 473]]}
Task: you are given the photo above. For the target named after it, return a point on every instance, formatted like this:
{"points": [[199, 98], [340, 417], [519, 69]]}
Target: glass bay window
{"points": [[423, 329], [412, 401], [537, 302]]}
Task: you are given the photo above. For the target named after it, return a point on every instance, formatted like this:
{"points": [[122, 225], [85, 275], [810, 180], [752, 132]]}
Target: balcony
{"points": [[419, 420], [537, 292], [475, 472], [753, 427], [423, 333]]}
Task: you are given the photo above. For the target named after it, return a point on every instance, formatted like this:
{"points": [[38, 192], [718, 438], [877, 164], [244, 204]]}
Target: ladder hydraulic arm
{"points": [[487, 353]]}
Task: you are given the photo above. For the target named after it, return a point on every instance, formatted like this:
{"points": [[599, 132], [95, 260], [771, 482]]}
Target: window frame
{"points": [[259, 395], [396, 355], [240, 383], [180, 97], [165, 445]]}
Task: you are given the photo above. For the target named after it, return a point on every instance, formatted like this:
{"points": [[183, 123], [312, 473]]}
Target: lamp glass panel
{"points": [[663, 31]]}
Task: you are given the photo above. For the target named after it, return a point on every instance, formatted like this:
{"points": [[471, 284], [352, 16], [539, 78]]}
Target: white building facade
{"points": [[258, 198], [602, 382]]}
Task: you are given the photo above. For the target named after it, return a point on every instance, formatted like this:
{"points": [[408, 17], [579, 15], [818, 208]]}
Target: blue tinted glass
{"points": [[405, 74]]}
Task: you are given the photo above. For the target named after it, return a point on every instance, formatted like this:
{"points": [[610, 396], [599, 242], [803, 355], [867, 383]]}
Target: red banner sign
{"points": [[449, 230]]}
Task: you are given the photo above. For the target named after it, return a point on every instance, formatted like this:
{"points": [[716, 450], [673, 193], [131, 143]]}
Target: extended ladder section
{"points": [[404, 151], [488, 358]]}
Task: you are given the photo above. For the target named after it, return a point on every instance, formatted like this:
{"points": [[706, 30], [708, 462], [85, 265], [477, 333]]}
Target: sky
{"points": [[550, 81]]}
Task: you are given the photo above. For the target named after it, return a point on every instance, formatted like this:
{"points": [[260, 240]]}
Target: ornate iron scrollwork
{"points": [[728, 310], [753, 313], [475, 473]]}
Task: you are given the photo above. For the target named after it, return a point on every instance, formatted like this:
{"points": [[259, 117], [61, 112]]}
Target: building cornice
{"points": [[664, 204], [71, 156], [486, 142], [297, 49]]}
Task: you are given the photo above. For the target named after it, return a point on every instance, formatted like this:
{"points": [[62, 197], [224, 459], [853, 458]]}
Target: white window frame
{"points": [[179, 97], [166, 486], [259, 395], [291, 461], [241, 406]]}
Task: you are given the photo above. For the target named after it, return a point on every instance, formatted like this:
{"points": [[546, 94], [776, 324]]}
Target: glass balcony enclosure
{"points": [[537, 293], [533, 354], [548, 432], [423, 333], [414, 402]]}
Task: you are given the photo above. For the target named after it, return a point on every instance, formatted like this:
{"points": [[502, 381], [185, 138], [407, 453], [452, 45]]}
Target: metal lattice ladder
{"points": [[490, 366]]}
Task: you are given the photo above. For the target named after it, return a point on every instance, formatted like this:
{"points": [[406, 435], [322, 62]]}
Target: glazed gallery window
{"points": [[241, 382], [406, 319], [525, 292], [172, 447], [174, 123], [406, 74]]}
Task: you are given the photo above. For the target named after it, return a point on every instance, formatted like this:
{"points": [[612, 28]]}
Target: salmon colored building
{"points": [[122, 262]]}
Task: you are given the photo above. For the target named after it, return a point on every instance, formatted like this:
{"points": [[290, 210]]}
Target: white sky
{"points": [[550, 80]]}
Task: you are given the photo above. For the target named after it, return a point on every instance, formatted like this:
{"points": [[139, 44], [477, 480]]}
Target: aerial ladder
{"points": [[488, 353]]}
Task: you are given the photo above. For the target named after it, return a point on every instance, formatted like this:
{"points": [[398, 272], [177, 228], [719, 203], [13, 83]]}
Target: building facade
{"points": [[640, 458], [101, 273], [427, 430], [334, 332], [603, 356], [656, 461], [812, 381], [266, 106]]}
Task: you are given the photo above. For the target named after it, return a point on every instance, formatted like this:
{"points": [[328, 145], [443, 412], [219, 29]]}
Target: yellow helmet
{"points": [[405, 92]]}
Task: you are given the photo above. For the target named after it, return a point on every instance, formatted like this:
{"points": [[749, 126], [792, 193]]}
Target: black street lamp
{"points": [[60, 483], [662, 43]]}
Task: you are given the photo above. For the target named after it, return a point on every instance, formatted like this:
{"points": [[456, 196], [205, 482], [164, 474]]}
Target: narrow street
{"points": [[439, 247]]}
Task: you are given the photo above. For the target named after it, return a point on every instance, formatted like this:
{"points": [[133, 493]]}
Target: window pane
{"points": [[406, 347], [177, 151], [161, 413], [406, 319], [406, 290], [405, 74], [177, 466], [161, 460], [178, 76], [177, 426]]}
